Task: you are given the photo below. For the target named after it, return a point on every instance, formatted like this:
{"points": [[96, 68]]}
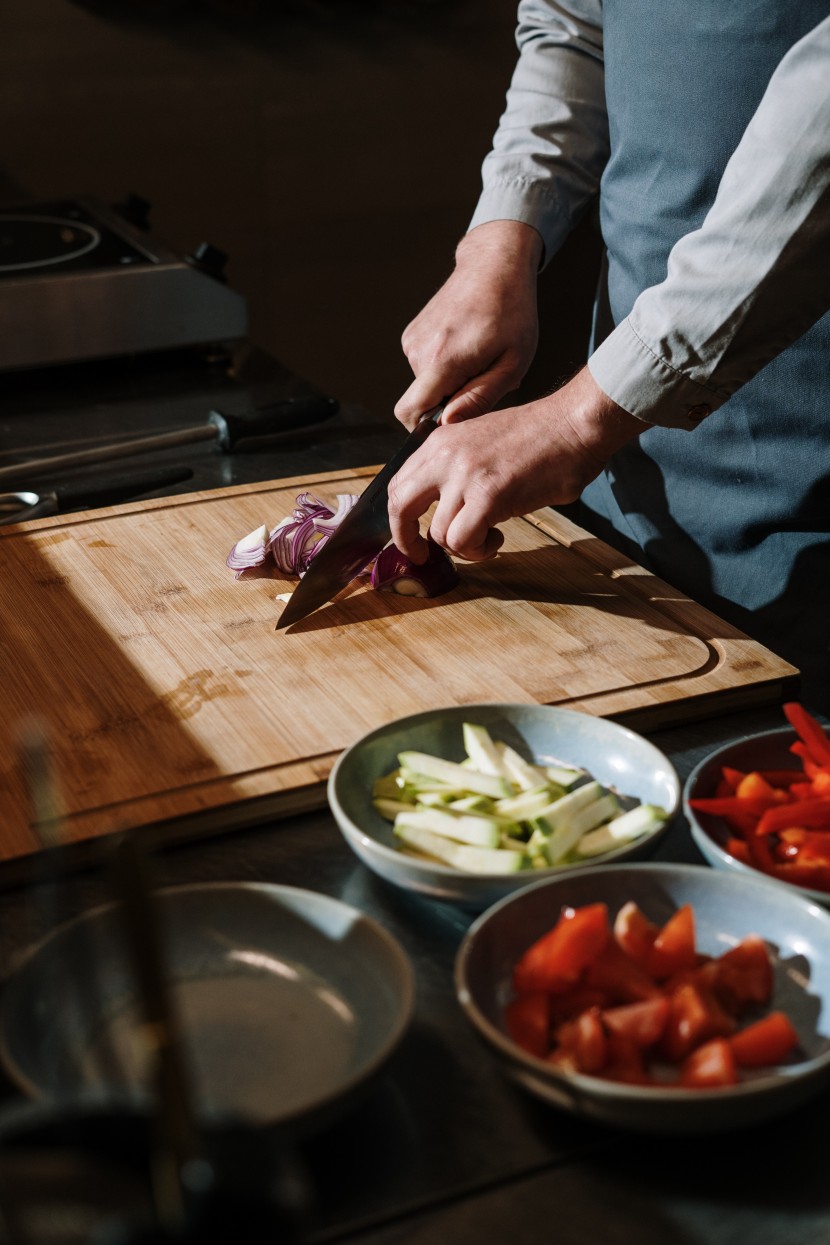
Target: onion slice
{"points": [[394, 572], [250, 551]]}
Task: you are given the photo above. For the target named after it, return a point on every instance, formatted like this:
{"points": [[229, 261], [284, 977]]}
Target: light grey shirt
{"points": [[740, 288]]}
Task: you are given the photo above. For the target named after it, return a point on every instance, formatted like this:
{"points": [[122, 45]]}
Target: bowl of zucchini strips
{"points": [[469, 803]]}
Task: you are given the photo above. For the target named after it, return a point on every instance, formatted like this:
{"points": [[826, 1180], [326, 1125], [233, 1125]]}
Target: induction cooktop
{"points": [[81, 281]]}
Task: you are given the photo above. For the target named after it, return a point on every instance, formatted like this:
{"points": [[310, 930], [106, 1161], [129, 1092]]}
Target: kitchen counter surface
{"points": [[441, 1146]]}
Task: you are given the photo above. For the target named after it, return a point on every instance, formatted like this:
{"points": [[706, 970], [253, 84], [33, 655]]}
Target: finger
{"points": [[408, 500], [470, 536], [480, 393], [425, 393]]}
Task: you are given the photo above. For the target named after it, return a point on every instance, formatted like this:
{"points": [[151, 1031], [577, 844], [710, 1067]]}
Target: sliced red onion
{"points": [[394, 572], [295, 541], [250, 551]]}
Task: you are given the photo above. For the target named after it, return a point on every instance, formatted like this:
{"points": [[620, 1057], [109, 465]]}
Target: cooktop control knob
{"points": [[210, 260]]}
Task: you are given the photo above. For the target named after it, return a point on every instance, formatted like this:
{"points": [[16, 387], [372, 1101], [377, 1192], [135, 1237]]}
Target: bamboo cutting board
{"points": [[171, 701]]}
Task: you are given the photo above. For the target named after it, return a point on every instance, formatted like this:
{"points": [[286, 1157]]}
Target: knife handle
{"points": [[265, 420], [111, 489]]}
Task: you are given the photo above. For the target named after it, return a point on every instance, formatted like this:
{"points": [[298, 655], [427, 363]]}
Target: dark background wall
{"points": [[331, 147]]}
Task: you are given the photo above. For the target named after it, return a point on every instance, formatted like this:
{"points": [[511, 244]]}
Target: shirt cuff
{"points": [[522, 199], [642, 383]]}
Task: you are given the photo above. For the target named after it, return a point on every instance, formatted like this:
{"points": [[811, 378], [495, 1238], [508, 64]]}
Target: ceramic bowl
{"points": [[727, 908], [614, 755], [288, 1002], [767, 750]]}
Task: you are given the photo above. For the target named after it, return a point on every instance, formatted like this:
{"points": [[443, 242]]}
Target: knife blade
{"points": [[359, 538]]}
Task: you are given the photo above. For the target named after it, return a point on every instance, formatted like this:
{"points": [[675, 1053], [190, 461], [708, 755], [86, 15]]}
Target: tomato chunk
{"points": [[674, 947], [694, 1017], [711, 1066], [743, 974], [556, 960], [642, 1023], [764, 1043], [634, 932], [585, 1039], [527, 1018], [620, 977]]}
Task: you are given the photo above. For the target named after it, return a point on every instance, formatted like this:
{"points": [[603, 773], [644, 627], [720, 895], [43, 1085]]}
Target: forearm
{"points": [[756, 274], [552, 140]]}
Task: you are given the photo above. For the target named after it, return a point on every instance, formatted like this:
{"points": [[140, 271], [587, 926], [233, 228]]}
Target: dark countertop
{"points": [[441, 1146]]}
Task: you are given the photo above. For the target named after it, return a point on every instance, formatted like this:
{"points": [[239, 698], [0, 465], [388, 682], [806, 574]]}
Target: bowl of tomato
{"points": [[761, 804], [655, 997]]}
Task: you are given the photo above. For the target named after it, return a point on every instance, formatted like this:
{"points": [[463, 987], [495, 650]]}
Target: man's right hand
{"points": [[476, 338]]}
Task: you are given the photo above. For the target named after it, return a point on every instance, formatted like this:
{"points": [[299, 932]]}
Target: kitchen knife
{"points": [[225, 429], [359, 538], [86, 494]]}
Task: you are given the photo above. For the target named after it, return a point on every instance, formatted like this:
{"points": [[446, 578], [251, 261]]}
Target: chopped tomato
{"points": [[634, 932], [585, 1039], [674, 948], [527, 1018], [570, 1003], [764, 1043], [622, 979], [642, 1023], [602, 1013], [695, 1016], [556, 960], [624, 1061], [711, 1066], [743, 974]]}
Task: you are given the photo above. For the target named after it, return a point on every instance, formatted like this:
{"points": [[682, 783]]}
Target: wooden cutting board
{"points": [[172, 702]]}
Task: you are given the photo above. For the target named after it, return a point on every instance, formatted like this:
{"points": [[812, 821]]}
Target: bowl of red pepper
{"points": [[654, 997], [761, 804]]}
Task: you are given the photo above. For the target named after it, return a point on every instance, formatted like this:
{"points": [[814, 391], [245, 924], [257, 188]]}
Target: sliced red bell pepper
{"points": [[814, 813], [810, 731], [729, 805], [754, 786]]}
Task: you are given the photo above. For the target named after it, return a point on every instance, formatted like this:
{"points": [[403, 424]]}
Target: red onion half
{"points": [[393, 572]]}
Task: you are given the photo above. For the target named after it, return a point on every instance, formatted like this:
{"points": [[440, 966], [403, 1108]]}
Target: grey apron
{"points": [[737, 513]]}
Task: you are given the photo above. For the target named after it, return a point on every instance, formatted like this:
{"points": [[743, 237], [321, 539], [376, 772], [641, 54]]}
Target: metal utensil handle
{"points": [[106, 453]]}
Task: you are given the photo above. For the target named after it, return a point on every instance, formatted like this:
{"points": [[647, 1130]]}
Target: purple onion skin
{"points": [[394, 572]]}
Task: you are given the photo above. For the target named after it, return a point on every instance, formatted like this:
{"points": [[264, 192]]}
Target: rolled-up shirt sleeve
{"points": [[753, 277], [552, 143]]}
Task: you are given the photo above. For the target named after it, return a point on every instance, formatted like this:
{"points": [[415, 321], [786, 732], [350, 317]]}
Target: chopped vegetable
{"points": [[636, 1002], [511, 807], [779, 820], [300, 536], [250, 551], [394, 572]]}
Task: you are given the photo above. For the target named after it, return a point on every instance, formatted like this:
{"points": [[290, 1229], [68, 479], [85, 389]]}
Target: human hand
{"points": [[483, 471], [476, 338]]}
